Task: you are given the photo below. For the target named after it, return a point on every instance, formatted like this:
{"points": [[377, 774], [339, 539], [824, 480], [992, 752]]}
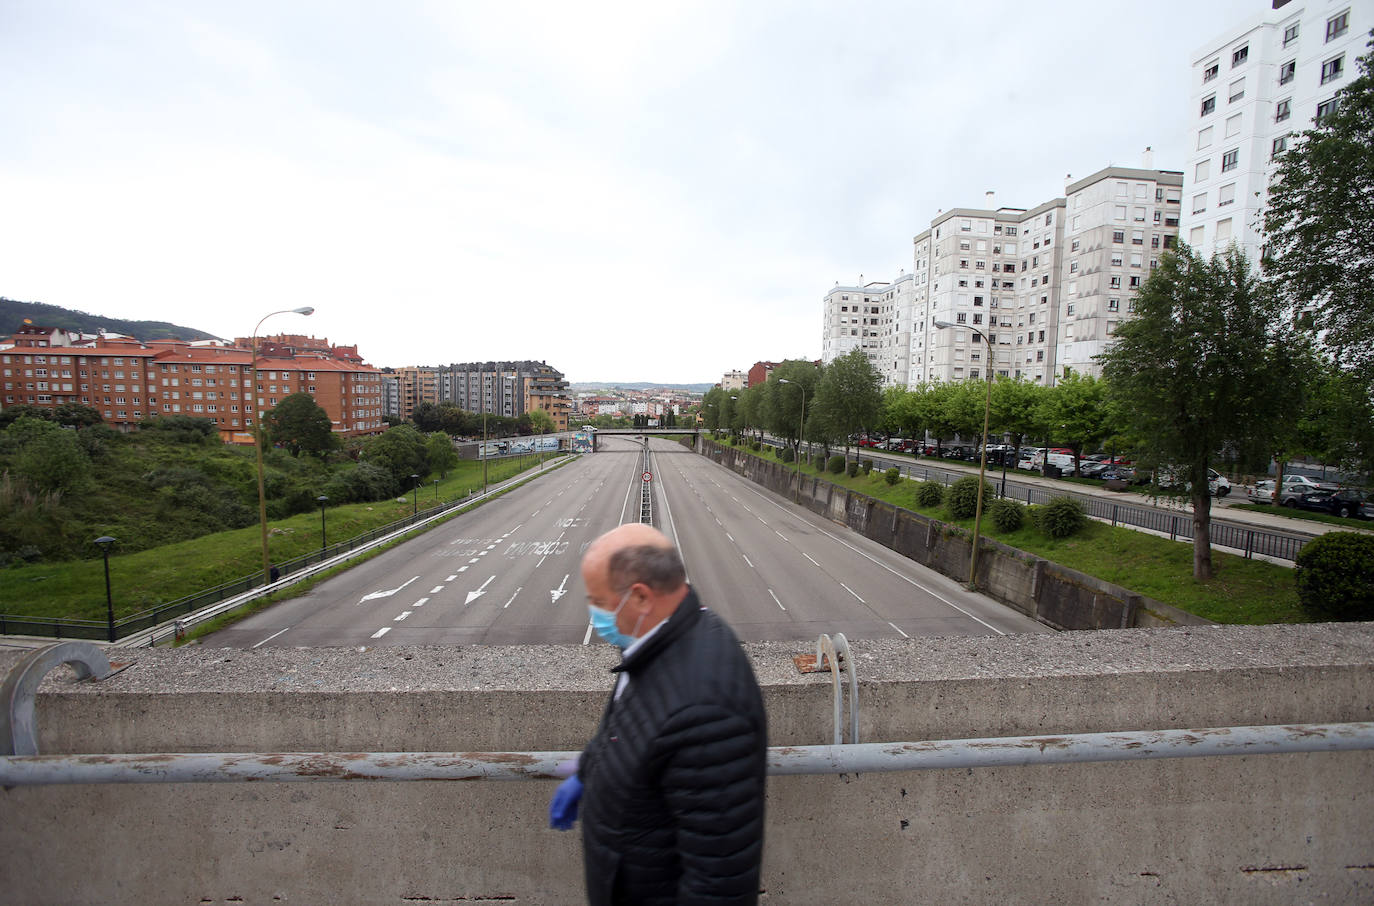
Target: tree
{"points": [[1319, 224], [1075, 410], [426, 417], [401, 451], [1017, 409], [440, 453], [849, 396], [1207, 362], [782, 404], [50, 457], [300, 425]]}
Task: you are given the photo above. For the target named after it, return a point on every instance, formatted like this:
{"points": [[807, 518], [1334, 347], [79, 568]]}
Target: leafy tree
{"points": [[937, 411], [426, 417], [440, 452], [712, 410], [849, 396], [1017, 409], [1319, 224], [1207, 362], [1076, 411], [541, 421], [75, 415], [51, 458], [401, 451], [782, 404], [300, 425]]}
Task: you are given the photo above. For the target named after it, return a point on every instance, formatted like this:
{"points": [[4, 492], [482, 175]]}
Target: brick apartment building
{"points": [[127, 381]]}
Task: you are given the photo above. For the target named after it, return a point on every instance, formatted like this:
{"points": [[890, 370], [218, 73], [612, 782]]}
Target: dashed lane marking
{"points": [[404, 614], [436, 589], [420, 603], [776, 601], [852, 592], [381, 632], [271, 637]]}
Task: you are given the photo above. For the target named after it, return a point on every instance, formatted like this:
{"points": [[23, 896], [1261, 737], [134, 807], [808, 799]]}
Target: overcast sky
{"points": [[629, 191]]}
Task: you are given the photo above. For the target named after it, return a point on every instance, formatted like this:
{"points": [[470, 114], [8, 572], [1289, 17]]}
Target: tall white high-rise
{"points": [[1255, 88], [875, 317]]}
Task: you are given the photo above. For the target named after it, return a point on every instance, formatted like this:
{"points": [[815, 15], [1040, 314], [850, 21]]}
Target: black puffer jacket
{"points": [[672, 808]]}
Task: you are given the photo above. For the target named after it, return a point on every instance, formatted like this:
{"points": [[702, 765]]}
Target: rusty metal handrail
{"points": [[863, 758]]}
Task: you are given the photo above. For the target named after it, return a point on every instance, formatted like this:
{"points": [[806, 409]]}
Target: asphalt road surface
{"points": [[507, 572]]}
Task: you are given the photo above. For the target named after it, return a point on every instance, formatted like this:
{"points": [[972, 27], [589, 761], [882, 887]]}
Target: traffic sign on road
{"points": [[648, 476]]}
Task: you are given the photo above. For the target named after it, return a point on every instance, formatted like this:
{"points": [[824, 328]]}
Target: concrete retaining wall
{"points": [[1054, 594], [1256, 829]]}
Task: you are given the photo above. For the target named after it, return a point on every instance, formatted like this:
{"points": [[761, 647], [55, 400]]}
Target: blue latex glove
{"points": [[563, 806]]}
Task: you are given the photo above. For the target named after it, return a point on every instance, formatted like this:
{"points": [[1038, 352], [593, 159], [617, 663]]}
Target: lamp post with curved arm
{"points": [[257, 433], [801, 429], [983, 463]]}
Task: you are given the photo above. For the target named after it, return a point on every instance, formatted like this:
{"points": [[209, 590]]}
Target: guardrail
{"points": [[102, 630]]}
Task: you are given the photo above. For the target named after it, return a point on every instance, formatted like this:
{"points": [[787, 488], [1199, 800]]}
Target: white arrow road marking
{"points": [[404, 614], [389, 592], [561, 590], [776, 601], [421, 602], [517, 591], [381, 632], [481, 590]]}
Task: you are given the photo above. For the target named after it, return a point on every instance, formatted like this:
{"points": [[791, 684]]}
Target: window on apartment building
{"points": [[1209, 104], [965, 226], [960, 318], [1333, 68], [1114, 282], [1326, 108], [1137, 237], [1117, 259], [1230, 160], [1223, 230], [1287, 72], [1240, 55], [1135, 260], [1233, 125], [1237, 91], [1138, 214], [1226, 195], [1195, 236], [1202, 171], [1280, 145], [1290, 34], [1211, 71], [1135, 280], [1199, 202], [1283, 109], [1337, 25]]}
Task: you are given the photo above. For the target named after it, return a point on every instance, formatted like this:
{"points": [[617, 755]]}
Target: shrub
{"points": [[836, 465], [1007, 514], [755, 445], [963, 497], [892, 475], [851, 469], [1061, 517], [868, 466], [786, 454], [930, 494], [1332, 575]]}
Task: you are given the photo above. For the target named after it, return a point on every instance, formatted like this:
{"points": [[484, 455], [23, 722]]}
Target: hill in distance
{"points": [[13, 313], [637, 385]]}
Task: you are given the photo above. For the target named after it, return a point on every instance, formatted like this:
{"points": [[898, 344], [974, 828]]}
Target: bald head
{"points": [[635, 553]]}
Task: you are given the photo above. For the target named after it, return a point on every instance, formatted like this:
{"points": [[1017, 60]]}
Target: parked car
{"points": [[1262, 492], [1093, 468], [1318, 500], [1346, 503], [1306, 482]]}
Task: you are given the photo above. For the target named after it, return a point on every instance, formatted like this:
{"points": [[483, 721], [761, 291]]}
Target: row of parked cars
{"points": [[1305, 493]]}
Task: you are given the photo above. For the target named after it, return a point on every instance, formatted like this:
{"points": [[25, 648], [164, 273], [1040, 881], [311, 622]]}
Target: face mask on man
{"points": [[604, 622]]}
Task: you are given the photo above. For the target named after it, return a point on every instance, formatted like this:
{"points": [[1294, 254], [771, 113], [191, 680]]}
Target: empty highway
{"points": [[507, 572]]}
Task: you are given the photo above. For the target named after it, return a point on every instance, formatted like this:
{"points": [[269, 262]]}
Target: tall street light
{"points": [[436, 492], [800, 431], [983, 463], [484, 447], [322, 500], [257, 434], [105, 541], [415, 494]]}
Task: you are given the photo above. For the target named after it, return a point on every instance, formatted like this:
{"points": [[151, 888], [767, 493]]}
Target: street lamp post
{"points": [[983, 459], [414, 494], [105, 541], [436, 492], [484, 448], [257, 433], [801, 429], [324, 542]]}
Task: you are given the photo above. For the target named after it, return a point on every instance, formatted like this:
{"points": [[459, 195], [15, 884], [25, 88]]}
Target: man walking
{"points": [[673, 781]]}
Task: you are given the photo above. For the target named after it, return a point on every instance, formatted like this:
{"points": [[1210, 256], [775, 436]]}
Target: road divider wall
{"points": [[1047, 591], [1258, 829]]}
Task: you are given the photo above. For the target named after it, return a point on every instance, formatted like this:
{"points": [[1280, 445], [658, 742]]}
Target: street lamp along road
{"points": [[415, 494], [105, 541], [983, 460], [323, 538], [801, 429], [257, 433]]}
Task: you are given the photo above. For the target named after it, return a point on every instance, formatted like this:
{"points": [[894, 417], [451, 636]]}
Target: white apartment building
{"points": [[875, 317], [733, 380], [1120, 221], [1254, 89]]}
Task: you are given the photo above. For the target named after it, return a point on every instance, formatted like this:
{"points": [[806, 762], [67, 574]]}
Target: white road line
{"points": [[898, 628], [381, 632], [491, 547], [779, 534], [747, 560], [482, 554], [925, 588], [436, 589], [461, 569], [517, 591], [271, 637], [587, 636], [404, 614], [852, 592], [776, 601], [450, 578], [473, 560], [731, 537], [808, 556], [719, 523], [420, 603]]}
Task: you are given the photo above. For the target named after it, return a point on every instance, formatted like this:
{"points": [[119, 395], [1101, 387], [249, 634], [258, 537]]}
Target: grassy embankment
{"points": [[1242, 591], [76, 589]]}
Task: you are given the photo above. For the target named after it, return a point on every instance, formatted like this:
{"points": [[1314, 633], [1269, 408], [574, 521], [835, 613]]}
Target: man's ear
{"points": [[641, 598]]}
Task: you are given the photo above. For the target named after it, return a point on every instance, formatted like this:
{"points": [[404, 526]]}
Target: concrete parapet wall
{"points": [[1050, 592], [1254, 829]]}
